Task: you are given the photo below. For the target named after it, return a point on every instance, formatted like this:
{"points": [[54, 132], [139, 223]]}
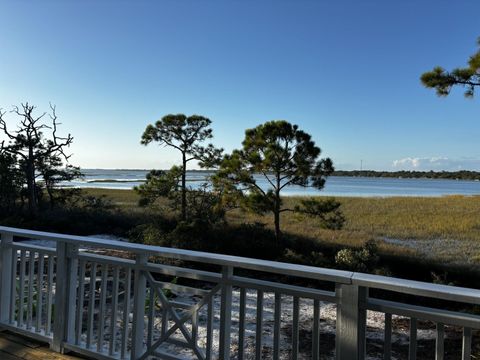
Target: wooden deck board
{"points": [[16, 347]]}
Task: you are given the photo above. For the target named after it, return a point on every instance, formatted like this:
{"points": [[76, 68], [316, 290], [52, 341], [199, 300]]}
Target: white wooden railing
{"points": [[119, 307]]}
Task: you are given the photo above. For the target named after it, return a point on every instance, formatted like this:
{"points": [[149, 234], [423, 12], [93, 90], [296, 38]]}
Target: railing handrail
{"points": [[446, 292], [310, 272], [419, 288]]}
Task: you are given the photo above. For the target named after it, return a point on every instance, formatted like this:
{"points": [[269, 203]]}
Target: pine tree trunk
{"points": [[276, 211], [32, 196], [184, 188], [278, 234]]}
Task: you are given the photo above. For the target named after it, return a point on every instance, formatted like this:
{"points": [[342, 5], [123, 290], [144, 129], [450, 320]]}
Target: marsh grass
{"points": [[450, 222], [124, 198]]}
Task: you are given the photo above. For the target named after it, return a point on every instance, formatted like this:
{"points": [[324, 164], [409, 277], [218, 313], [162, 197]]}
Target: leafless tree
{"points": [[32, 145]]}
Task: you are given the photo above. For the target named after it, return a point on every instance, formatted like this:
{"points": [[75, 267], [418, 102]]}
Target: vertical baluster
{"points": [[13, 284], [139, 293], [80, 297], [39, 311], [151, 316], [195, 328], [316, 329], [241, 324], [31, 272], [103, 299], [467, 343], [387, 338], [439, 342], [21, 291], [72, 254], [226, 313], [412, 349], [91, 303], [259, 327], [49, 304], [208, 352], [126, 311], [295, 328], [113, 324], [276, 325]]}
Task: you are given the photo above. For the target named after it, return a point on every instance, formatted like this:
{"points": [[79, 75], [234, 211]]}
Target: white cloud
{"points": [[436, 163]]}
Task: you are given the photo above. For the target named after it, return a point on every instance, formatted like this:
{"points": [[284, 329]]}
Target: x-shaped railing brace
{"points": [[179, 321]]}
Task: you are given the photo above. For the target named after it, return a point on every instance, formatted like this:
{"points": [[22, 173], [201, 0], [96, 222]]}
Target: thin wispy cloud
{"points": [[436, 163]]}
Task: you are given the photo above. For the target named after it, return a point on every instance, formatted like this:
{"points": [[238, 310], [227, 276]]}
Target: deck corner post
{"points": [[6, 260], [65, 295], [139, 297], [351, 322], [226, 313]]}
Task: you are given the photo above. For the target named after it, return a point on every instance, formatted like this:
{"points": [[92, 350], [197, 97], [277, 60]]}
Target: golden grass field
{"points": [[445, 229]]}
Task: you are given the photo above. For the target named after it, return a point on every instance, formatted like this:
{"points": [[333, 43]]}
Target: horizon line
{"points": [[207, 170]]}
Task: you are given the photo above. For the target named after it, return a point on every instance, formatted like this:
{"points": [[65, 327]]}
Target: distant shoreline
{"points": [[404, 174]]}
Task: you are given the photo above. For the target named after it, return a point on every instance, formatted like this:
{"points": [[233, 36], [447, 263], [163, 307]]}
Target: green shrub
{"points": [[362, 260], [148, 234]]}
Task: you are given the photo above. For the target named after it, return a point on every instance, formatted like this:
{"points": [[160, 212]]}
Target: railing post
{"points": [[226, 313], [65, 295], [351, 322], [139, 296], [6, 259]]}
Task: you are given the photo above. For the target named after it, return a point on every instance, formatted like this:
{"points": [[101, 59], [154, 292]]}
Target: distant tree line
{"points": [[412, 174], [405, 174]]}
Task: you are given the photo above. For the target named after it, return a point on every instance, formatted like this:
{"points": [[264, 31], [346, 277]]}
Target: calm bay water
{"points": [[336, 186]]}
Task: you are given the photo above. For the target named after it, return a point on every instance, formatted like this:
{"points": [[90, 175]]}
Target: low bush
{"points": [[361, 260]]}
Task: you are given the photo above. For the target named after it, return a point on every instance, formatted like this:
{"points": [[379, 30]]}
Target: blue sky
{"points": [[345, 71]]}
